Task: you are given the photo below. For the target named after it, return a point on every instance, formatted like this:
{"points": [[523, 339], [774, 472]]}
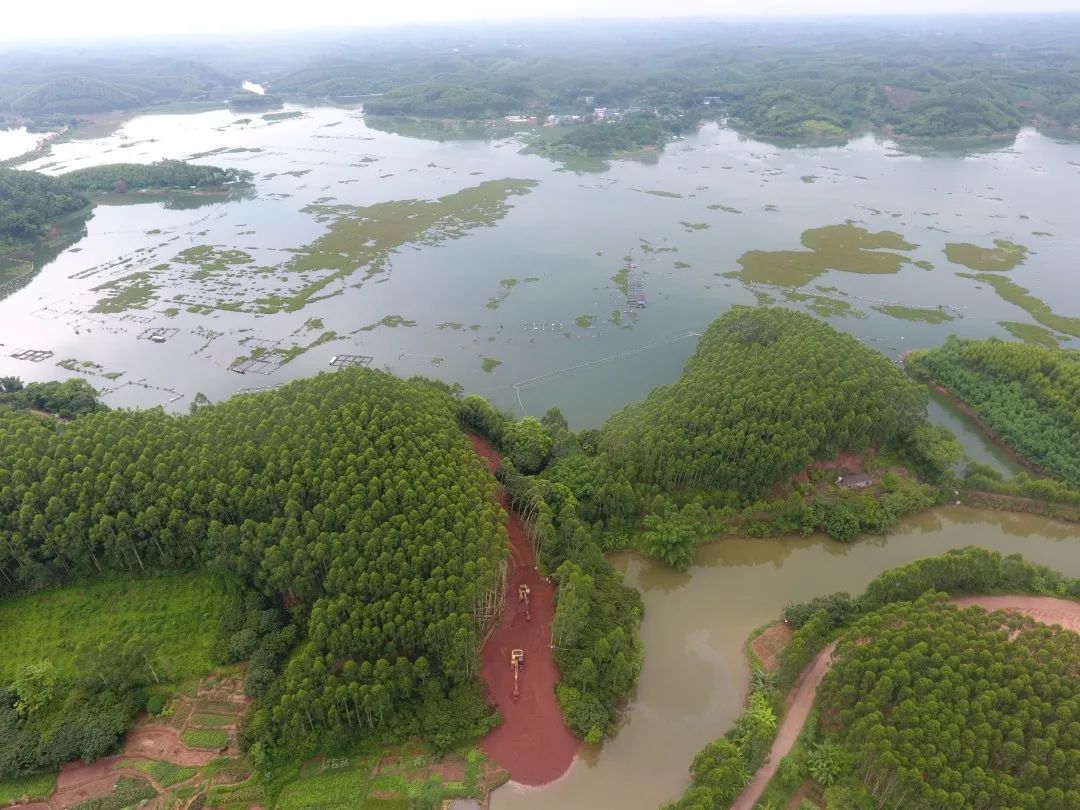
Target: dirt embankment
{"points": [[1043, 609], [532, 742]]}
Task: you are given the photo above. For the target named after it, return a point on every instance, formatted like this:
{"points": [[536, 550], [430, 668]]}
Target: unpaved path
{"points": [[532, 742], [1043, 609]]}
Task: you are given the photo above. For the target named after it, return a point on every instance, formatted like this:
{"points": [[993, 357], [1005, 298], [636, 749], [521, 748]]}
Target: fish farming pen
{"points": [[263, 364], [635, 291], [351, 360], [33, 355], [158, 334]]}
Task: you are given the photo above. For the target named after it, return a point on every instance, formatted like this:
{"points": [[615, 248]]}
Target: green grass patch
{"points": [[203, 720], [204, 738], [127, 793], [38, 786], [177, 615], [1004, 255], [1035, 307], [847, 248], [332, 790], [164, 773], [1031, 333], [916, 313]]}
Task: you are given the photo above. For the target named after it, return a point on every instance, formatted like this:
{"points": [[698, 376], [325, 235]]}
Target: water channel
{"points": [[695, 675]]}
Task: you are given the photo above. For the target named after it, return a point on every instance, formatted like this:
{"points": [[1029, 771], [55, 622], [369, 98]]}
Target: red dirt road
{"points": [[1043, 609], [532, 743]]}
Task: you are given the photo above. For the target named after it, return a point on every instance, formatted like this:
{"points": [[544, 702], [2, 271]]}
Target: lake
{"points": [[472, 262], [695, 676]]}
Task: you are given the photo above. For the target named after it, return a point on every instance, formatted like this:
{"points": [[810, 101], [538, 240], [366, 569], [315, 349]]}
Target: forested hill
{"points": [[353, 498], [938, 707], [165, 174], [30, 203], [767, 392], [1027, 394]]}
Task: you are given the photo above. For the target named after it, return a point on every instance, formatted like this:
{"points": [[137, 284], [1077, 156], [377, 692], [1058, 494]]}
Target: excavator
{"points": [[517, 664], [524, 595]]}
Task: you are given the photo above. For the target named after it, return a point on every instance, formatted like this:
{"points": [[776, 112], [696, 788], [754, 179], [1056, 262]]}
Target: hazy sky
{"points": [[64, 19]]}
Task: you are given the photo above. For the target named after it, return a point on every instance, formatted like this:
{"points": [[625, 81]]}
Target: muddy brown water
{"points": [[695, 675]]}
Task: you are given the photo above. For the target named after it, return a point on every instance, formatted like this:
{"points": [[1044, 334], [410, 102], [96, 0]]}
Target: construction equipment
{"points": [[524, 595], [517, 664]]}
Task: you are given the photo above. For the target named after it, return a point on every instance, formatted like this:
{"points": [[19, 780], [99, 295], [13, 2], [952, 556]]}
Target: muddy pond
{"points": [[472, 261], [695, 675]]}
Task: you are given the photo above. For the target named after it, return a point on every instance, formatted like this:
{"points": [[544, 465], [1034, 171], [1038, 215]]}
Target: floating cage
{"points": [[350, 360], [158, 334], [33, 355]]}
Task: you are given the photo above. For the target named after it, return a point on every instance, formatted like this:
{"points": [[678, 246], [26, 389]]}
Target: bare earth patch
{"points": [[770, 643]]}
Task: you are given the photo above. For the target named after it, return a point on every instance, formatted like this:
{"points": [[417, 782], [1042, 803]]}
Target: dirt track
{"points": [[1043, 609], [532, 743]]}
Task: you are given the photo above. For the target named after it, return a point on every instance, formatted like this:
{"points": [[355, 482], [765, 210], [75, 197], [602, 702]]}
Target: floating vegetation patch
{"points": [[1031, 333], [809, 178], [923, 264], [824, 306], [924, 314], [210, 259], [725, 208], [365, 237], [680, 265], [489, 364], [507, 284], [1004, 255], [437, 361], [656, 193], [848, 248], [1035, 307], [391, 321], [1041, 233], [695, 226], [133, 291], [283, 116], [648, 247], [457, 327], [585, 321]]}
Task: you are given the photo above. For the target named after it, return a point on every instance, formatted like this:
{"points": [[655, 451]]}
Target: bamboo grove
{"points": [[1027, 394], [352, 498]]}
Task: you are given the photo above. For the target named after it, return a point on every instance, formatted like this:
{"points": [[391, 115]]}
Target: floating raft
{"points": [[33, 355], [635, 291], [351, 360]]}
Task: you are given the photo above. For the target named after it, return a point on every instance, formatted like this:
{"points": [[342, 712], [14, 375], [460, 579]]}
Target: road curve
{"points": [[1043, 609]]}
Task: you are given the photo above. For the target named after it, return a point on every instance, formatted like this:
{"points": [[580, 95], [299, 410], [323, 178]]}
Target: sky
{"points": [[82, 19]]}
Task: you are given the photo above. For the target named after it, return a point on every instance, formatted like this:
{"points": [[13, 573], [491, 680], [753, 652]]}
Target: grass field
{"points": [[165, 773], [204, 738], [178, 616], [33, 787]]}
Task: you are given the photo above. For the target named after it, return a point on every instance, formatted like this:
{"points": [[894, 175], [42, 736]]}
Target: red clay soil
{"points": [[1043, 609], [769, 644], [532, 742], [161, 742], [78, 782]]}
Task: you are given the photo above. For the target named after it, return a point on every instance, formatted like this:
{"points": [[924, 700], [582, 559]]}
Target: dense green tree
{"points": [[1027, 394], [767, 392], [528, 445]]}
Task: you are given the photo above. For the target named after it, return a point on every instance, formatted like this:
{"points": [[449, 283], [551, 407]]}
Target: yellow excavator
{"points": [[517, 664], [524, 596]]}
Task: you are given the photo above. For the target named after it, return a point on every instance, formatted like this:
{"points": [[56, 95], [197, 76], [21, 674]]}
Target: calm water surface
{"points": [[562, 242], [695, 676]]}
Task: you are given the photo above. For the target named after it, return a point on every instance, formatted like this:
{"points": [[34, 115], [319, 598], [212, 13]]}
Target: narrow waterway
{"points": [[695, 675]]}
